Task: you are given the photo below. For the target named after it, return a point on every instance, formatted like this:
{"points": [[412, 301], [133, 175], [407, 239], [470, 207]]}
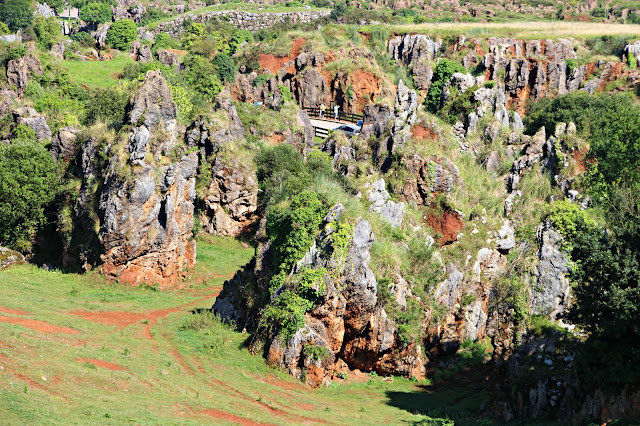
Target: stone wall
{"points": [[243, 20]]}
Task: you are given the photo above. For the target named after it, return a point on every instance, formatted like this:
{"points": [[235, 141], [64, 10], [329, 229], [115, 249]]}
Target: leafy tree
{"points": [[47, 31], [96, 13], [17, 14], [225, 67], [27, 181], [121, 33], [152, 14], [164, 41], [442, 74], [606, 286]]}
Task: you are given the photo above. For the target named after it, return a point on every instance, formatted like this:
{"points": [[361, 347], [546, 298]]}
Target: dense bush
{"points": [[443, 72], [292, 228], [106, 105], [96, 13], [281, 173], [17, 14], [202, 76], [16, 52], [47, 31], [225, 67], [153, 14], [121, 33], [27, 182], [4, 29]]}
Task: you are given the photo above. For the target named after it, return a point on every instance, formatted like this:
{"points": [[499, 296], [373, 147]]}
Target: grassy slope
{"points": [[97, 74], [172, 375], [521, 29]]}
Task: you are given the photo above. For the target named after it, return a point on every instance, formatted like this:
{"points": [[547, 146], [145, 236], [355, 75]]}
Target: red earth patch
{"points": [[447, 225], [103, 364], [12, 311], [41, 326]]}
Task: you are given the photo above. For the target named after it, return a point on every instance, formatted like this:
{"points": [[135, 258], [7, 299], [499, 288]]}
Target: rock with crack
{"points": [[10, 257], [147, 201], [429, 177], [552, 294], [64, 144], [32, 119]]}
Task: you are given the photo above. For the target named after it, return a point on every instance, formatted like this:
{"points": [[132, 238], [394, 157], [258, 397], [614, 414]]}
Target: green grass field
{"points": [[77, 350], [98, 74]]}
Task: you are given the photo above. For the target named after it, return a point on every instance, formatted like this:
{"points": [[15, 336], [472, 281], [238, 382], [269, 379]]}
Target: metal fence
{"points": [[342, 116]]}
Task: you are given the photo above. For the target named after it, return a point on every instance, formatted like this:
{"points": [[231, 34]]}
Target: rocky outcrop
{"points": [[140, 52], [64, 144], [147, 201], [348, 322], [428, 178], [310, 88], [10, 257], [32, 119], [19, 70], [382, 204], [243, 20], [169, 59], [552, 294], [415, 52]]}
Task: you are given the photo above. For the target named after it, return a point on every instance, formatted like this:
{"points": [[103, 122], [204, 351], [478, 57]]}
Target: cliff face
{"points": [[147, 200]]}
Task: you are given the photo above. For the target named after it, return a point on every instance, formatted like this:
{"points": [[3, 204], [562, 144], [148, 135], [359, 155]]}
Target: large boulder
{"points": [[31, 118], [311, 89], [147, 200], [19, 70]]}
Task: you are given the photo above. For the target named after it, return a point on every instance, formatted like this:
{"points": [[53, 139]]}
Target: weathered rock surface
{"points": [[552, 294], [382, 204], [10, 257], [148, 209], [429, 177], [31, 118], [64, 144], [19, 70]]}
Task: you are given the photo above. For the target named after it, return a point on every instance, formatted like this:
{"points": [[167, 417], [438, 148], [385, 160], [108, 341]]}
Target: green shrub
{"points": [[27, 179], [96, 13], [316, 352], [311, 284], [632, 61], [285, 92], [261, 79], [281, 173], [202, 76], [4, 29], [121, 33], [106, 105], [16, 52], [237, 39], [225, 67], [199, 321], [569, 219], [153, 14], [442, 74], [292, 228], [285, 316], [572, 64]]}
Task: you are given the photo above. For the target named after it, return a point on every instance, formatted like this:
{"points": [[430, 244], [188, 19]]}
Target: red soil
{"points": [[180, 360], [447, 225], [36, 325], [12, 311], [422, 133], [119, 319], [103, 364], [275, 63], [579, 157], [366, 87]]}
